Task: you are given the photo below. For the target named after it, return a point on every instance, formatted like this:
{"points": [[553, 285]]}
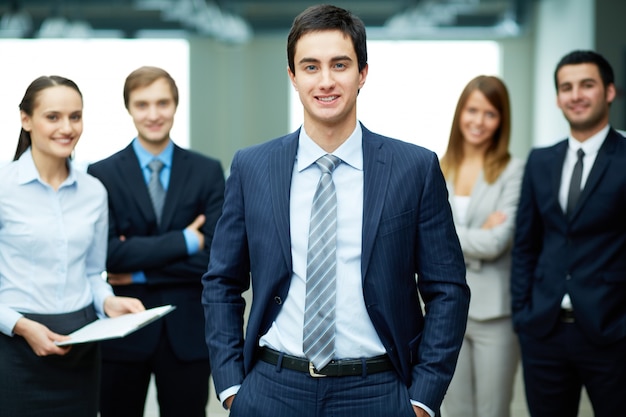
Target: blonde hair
{"points": [[497, 155]]}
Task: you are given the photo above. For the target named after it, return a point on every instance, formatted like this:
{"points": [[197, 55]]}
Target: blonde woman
{"points": [[484, 184]]}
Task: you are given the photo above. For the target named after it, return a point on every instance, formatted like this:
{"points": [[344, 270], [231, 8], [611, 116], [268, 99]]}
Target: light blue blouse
{"points": [[52, 243]]}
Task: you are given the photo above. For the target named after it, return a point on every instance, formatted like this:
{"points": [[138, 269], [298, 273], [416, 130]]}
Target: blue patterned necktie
{"points": [[155, 188], [319, 311]]}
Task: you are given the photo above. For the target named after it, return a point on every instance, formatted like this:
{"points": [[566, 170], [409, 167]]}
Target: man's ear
{"points": [[292, 77], [611, 93]]}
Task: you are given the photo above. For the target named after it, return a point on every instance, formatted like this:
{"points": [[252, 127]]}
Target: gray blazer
{"points": [[487, 253]]}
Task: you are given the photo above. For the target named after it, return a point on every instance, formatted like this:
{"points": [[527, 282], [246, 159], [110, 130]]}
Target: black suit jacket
{"points": [[173, 277], [583, 255]]}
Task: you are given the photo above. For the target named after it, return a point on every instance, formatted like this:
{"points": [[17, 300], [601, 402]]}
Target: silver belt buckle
{"points": [[313, 371]]}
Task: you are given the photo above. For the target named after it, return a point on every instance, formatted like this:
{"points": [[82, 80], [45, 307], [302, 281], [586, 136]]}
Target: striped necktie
{"points": [[319, 311]]}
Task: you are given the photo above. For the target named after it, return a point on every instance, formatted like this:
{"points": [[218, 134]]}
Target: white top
{"points": [[461, 203]]}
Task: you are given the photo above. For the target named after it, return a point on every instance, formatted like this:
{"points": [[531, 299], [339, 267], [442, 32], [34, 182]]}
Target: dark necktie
{"points": [[575, 184], [319, 311], [155, 188]]}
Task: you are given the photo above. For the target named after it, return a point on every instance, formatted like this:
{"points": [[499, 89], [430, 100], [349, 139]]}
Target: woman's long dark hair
{"points": [[29, 102]]}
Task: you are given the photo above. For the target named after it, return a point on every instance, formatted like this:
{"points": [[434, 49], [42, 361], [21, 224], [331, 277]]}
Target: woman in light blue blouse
{"points": [[53, 234]]}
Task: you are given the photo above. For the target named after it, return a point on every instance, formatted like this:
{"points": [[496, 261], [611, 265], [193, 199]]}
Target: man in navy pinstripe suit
{"points": [[393, 223]]}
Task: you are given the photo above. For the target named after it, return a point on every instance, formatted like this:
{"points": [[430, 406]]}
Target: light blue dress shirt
{"points": [[356, 336], [52, 243], [145, 157]]}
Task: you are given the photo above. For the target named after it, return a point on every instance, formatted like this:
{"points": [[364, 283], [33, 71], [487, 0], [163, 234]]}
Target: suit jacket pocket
{"points": [[398, 222]]}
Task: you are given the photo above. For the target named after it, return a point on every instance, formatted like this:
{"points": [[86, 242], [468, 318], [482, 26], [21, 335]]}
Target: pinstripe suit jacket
{"points": [[407, 230]]}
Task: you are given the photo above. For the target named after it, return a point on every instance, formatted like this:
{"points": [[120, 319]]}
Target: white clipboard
{"points": [[113, 328]]}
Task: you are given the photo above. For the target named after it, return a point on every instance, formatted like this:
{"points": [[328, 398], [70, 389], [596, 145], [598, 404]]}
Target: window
{"points": [[412, 87], [99, 67]]}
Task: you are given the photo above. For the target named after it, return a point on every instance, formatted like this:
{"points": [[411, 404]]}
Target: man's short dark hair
{"points": [[586, 57], [327, 17]]}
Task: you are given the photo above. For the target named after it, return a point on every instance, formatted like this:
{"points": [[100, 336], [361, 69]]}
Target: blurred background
{"points": [[229, 59]]}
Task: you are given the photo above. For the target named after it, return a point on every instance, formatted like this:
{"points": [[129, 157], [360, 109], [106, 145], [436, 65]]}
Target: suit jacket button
{"points": [[278, 300]]}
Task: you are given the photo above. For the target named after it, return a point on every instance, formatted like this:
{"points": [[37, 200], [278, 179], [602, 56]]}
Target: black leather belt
{"points": [[567, 316], [339, 367]]}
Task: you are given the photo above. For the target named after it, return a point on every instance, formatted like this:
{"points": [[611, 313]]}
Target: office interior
{"points": [[238, 89], [239, 96]]}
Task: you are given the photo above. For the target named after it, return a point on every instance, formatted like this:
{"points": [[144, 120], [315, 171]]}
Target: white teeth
{"points": [[327, 98]]}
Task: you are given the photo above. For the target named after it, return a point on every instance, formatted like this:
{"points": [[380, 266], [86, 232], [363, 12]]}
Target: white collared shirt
{"points": [[590, 147]]}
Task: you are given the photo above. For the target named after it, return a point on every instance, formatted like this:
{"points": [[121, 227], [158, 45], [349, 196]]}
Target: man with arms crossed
{"points": [[356, 343], [161, 225], [569, 256]]}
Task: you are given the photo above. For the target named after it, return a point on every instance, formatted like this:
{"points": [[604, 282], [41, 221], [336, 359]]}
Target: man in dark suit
{"points": [[569, 256], [160, 229], [387, 220]]}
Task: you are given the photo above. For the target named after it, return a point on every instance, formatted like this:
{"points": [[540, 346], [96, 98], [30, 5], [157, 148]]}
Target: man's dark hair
{"points": [[327, 17], [586, 57]]}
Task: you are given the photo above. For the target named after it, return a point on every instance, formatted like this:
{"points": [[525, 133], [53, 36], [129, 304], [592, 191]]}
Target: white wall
{"points": [[561, 26]]}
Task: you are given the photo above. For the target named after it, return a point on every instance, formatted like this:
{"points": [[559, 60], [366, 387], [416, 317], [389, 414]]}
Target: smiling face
{"points": [[56, 122], [583, 99], [152, 108], [479, 121], [328, 80]]}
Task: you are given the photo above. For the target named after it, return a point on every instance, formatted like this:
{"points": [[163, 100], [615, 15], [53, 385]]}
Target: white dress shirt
{"points": [[52, 243], [590, 147]]}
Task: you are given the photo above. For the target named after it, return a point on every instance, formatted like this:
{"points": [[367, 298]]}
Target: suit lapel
{"points": [[556, 172], [377, 164], [130, 173], [281, 162]]}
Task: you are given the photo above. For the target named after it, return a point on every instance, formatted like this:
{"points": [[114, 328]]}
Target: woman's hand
{"points": [[495, 219], [116, 306], [40, 338]]}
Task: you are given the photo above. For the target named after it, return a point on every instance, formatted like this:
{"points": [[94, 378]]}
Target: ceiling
{"points": [[128, 18]]}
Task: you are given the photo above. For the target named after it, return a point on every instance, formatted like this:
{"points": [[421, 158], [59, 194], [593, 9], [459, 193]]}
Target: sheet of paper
{"points": [[112, 328]]}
